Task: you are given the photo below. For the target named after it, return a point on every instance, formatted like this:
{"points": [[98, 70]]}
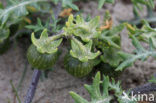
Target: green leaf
{"points": [[17, 9], [4, 34], [102, 2], [77, 98], [98, 95], [109, 42], [94, 89], [140, 53], [138, 5], [111, 57], [145, 33], [82, 52], [69, 3], [85, 30], [38, 27], [46, 44]]}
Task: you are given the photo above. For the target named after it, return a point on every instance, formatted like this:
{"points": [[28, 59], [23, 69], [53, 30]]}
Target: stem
{"points": [[57, 36], [15, 91], [56, 13], [37, 73], [33, 86], [23, 76], [58, 9]]}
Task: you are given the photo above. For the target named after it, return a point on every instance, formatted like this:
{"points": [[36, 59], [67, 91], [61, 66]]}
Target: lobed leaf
{"points": [[17, 9], [140, 53], [82, 52], [38, 27], [98, 95], [46, 44], [110, 45], [85, 30], [143, 34], [138, 5]]}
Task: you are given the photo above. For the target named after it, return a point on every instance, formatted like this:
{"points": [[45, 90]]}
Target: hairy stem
{"points": [[58, 9], [56, 13], [37, 73], [57, 36], [33, 86]]}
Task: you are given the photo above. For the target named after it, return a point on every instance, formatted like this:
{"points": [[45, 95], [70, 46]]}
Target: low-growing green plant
{"points": [[138, 6], [92, 45], [100, 92]]}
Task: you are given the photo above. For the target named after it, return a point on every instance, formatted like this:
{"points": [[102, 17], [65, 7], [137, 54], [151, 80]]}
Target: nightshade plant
{"points": [[103, 95], [92, 44]]}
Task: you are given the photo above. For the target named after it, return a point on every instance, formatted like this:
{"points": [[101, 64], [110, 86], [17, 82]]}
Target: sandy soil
{"points": [[55, 89]]}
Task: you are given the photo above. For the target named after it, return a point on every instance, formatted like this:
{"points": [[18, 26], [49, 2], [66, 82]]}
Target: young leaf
{"points": [[94, 91], [82, 52], [85, 30], [46, 44], [38, 27]]}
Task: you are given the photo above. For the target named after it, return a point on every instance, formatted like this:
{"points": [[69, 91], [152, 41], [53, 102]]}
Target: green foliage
{"points": [[39, 26], [102, 2], [138, 5], [139, 54], [16, 9], [67, 3], [110, 44], [4, 34], [103, 95], [153, 79], [81, 28], [46, 44], [82, 52], [145, 33]]}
